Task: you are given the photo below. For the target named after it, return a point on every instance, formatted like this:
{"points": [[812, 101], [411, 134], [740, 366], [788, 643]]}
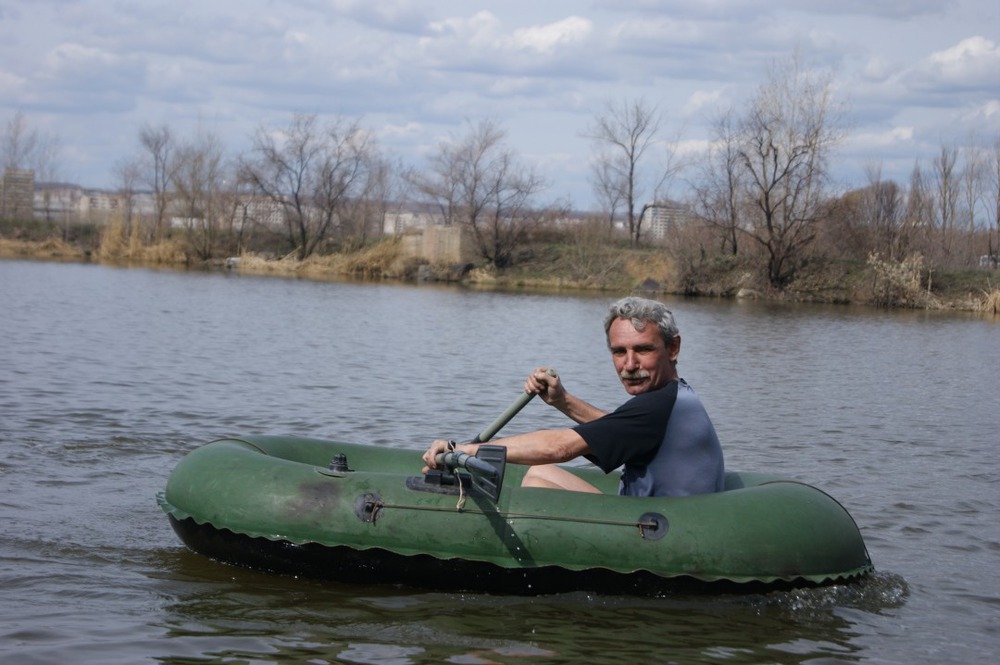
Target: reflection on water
{"points": [[108, 376], [332, 622]]}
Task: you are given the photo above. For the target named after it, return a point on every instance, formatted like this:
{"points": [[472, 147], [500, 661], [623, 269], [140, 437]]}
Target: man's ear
{"points": [[675, 348]]}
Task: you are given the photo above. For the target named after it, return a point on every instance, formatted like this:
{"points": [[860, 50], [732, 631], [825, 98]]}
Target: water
{"points": [[108, 376]]}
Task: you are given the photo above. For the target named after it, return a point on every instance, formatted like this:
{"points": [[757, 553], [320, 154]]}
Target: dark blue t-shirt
{"points": [[664, 439]]}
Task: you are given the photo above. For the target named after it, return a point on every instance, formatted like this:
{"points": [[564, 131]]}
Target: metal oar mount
{"points": [[486, 468]]}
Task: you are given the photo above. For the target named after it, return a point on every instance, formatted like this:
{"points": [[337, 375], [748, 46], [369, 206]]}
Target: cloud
{"points": [[972, 64], [990, 109], [10, 84], [707, 101], [546, 38], [889, 137], [483, 34], [391, 15], [741, 10], [481, 30]]}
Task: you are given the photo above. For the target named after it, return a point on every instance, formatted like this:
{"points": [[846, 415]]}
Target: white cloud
{"points": [[296, 37], [546, 38], [889, 137], [663, 32], [406, 130], [990, 109], [79, 58], [10, 83], [392, 15], [972, 63], [703, 100], [481, 29]]}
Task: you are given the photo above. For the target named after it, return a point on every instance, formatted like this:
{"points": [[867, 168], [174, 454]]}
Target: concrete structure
{"points": [[17, 188], [439, 244]]}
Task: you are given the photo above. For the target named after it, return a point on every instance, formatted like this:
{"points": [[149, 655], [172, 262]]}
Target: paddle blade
{"points": [[490, 484]]}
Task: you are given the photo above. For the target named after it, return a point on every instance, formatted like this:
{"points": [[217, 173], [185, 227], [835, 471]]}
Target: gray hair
{"points": [[641, 311]]}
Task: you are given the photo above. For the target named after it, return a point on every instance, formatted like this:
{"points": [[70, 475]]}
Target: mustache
{"points": [[631, 376]]}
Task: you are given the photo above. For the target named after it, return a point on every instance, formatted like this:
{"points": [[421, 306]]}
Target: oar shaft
{"points": [[506, 416]]}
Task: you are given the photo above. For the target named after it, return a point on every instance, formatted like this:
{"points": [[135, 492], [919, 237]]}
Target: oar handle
{"points": [[457, 458], [506, 416]]}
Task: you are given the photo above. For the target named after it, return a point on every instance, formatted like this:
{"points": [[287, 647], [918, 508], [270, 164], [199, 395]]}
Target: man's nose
{"points": [[631, 360]]}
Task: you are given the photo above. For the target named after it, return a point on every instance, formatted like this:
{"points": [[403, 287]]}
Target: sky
{"points": [[912, 75]]}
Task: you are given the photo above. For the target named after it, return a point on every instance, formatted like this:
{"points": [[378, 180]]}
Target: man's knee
{"points": [[538, 476], [551, 476]]}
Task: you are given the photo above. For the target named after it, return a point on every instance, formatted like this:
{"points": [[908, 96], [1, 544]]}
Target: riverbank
{"points": [[567, 266]]}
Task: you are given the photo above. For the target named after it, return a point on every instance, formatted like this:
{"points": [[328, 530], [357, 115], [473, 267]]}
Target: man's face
{"points": [[642, 360]]}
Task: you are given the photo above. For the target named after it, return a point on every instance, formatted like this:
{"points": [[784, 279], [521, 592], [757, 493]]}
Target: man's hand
{"points": [[430, 457], [443, 446], [545, 383]]}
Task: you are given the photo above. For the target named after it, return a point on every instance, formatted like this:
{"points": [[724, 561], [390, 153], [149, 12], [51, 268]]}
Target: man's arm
{"points": [[546, 446]]}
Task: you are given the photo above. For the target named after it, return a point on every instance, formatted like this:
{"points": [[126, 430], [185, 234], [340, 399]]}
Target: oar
{"points": [[490, 462], [511, 411]]}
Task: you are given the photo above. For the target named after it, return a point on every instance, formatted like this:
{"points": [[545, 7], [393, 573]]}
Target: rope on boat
{"points": [[535, 516]]}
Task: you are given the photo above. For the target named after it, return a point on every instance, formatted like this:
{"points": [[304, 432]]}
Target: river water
{"points": [[108, 376]]}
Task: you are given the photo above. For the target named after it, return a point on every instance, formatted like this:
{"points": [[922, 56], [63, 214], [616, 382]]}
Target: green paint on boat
{"points": [[275, 503]]}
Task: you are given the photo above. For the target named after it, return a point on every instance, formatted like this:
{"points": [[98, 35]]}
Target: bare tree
{"points": [[478, 182], [946, 194], [786, 136], [199, 184], [384, 187], [129, 174], [25, 149], [973, 178], [311, 172], [918, 218], [45, 163], [608, 189], [991, 197], [717, 195], [882, 208], [19, 143], [623, 135], [159, 164]]}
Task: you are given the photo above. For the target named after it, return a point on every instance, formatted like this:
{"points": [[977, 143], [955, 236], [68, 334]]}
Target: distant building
{"points": [[17, 191], [260, 210], [58, 202], [662, 219]]}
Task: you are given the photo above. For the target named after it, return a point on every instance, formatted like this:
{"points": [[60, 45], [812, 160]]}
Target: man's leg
{"points": [[556, 477]]}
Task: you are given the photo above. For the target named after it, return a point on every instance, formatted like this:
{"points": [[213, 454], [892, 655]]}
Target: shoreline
{"points": [[645, 272]]}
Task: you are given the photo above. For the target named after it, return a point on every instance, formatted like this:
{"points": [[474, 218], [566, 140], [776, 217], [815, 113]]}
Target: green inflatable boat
{"points": [[366, 514]]}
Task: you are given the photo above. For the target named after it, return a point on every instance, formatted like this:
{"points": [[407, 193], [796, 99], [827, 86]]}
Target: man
{"points": [[662, 435]]}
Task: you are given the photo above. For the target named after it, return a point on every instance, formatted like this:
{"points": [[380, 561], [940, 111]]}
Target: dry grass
{"points": [[254, 264], [117, 246], [381, 260], [990, 303], [50, 249]]}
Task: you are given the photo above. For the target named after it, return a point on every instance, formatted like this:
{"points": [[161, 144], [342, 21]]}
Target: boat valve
{"points": [[339, 463]]}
